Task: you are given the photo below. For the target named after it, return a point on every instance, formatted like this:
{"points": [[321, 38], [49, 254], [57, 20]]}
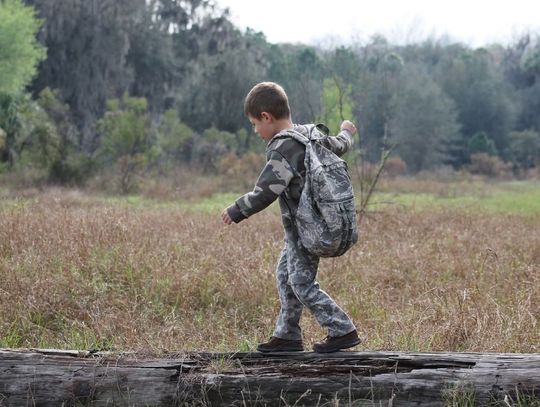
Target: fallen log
{"points": [[53, 378]]}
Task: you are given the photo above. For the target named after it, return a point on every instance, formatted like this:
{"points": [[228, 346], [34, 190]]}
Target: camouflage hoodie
{"points": [[283, 175]]}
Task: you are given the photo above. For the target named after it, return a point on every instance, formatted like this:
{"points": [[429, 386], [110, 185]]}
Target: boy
{"points": [[267, 108]]}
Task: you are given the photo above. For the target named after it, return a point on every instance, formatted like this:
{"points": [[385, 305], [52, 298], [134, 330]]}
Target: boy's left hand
{"points": [[225, 217], [348, 125]]}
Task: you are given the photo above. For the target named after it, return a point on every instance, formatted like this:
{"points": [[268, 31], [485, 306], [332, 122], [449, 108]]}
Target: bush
{"points": [[174, 140], [533, 173], [481, 143], [395, 166], [525, 149], [73, 170], [126, 131], [489, 166], [240, 171]]}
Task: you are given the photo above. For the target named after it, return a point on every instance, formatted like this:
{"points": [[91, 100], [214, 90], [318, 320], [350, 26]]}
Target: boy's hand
{"points": [[225, 217], [349, 126]]}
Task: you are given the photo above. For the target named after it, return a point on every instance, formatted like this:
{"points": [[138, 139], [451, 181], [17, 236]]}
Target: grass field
{"points": [[439, 267]]}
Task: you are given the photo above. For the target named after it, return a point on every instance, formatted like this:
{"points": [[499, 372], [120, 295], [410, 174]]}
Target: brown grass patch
{"points": [[77, 272]]}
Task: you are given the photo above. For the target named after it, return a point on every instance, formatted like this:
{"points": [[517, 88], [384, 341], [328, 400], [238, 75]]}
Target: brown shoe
{"points": [[276, 344], [335, 343]]}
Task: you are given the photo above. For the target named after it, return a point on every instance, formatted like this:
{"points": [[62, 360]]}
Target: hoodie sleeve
{"points": [[339, 144], [274, 178]]}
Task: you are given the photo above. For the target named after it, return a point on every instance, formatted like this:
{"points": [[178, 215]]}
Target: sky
{"points": [[474, 22]]}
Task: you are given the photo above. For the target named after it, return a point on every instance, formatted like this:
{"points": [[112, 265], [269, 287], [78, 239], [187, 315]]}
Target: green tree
{"points": [[337, 103], [71, 166], [152, 60], [10, 126], [521, 65], [39, 141], [87, 43], [165, 39], [174, 139], [20, 52], [215, 95], [425, 122], [482, 98], [34, 140], [39, 144], [213, 144], [220, 77], [126, 138], [375, 94], [305, 71], [525, 148], [481, 143]]}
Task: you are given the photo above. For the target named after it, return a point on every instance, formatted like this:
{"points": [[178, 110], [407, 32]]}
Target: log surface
{"points": [[53, 378]]}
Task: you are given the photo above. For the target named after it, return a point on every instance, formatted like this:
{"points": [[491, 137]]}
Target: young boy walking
{"points": [[267, 108]]}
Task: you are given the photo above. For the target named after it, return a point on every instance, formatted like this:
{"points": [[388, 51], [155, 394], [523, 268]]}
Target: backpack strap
{"points": [[291, 133], [314, 133]]}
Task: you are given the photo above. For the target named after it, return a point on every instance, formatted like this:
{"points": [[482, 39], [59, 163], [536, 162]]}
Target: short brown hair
{"points": [[267, 97]]}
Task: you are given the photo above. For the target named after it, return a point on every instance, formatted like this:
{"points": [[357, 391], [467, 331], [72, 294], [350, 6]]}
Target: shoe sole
{"points": [[338, 348], [280, 350]]}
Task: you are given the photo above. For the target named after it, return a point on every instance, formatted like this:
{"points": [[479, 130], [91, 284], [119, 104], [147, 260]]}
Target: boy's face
{"points": [[264, 126]]}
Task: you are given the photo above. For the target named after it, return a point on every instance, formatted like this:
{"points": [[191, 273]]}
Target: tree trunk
{"points": [[54, 378]]}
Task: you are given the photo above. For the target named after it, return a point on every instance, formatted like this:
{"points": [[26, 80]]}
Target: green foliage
{"points": [[441, 101], [215, 93], [125, 127], [10, 123], [525, 148], [300, 70], [70, 166], [126, 134], [40, 145], [87, 44], [380, 72], [305, 77], [73, 169], [174, 139], [337, 103], [522, 70], [20, 52], [482, 99], [32, 143], [425, 120], [213, 145], [481, 143]]}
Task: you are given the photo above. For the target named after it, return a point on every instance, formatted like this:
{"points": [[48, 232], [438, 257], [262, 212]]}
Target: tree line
{"points": [[137, 85]]}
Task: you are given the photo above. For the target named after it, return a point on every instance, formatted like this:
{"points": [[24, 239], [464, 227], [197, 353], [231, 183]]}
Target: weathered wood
{"points": [[54, 378]]}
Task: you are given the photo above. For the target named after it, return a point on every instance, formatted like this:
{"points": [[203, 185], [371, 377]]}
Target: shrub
{"points": [[240, 171], [525, 149], [126, 131], [489, 166], [481, 143], [395, 166]]}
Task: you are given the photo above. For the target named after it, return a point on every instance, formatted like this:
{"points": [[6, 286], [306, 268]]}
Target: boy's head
{"points": [[267, 97]]}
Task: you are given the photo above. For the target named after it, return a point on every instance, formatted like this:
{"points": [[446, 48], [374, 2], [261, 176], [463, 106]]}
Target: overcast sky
{"points": [[476, 22]]}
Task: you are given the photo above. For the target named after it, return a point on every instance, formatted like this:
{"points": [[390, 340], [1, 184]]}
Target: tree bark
{"points": [[55, 377]]}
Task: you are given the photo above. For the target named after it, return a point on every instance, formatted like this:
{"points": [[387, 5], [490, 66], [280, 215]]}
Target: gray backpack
{"points": [[326, 215]]}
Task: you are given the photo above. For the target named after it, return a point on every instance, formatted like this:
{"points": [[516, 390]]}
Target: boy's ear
{"points": [[266, 116]]}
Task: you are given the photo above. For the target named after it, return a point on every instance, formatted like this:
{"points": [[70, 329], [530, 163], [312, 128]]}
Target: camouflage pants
{"points": [[295, 274]]}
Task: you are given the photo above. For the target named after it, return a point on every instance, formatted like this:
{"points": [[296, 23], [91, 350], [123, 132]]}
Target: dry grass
{"points": [[78, 271]]}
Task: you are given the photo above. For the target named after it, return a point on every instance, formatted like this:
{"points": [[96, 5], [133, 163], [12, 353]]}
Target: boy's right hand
{"points": [[225, 217], [349, 126]]}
